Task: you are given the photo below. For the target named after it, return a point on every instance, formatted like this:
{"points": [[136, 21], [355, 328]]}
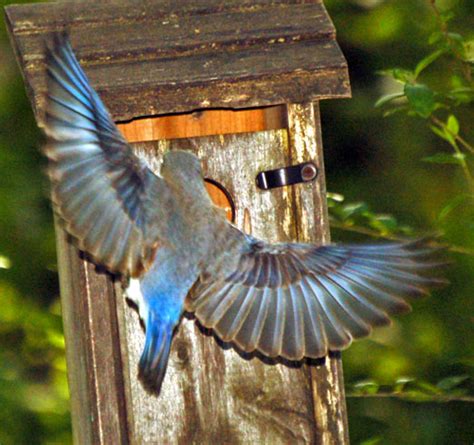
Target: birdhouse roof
{"points": [[160, 57]]}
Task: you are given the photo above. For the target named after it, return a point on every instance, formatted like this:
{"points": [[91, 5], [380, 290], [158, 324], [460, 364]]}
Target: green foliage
{"points": [[420, 99], [447, 389], [419, 168], [32, 362], [446, 158], [34, 399], [358, 217], [428, 60], [423, 101]]}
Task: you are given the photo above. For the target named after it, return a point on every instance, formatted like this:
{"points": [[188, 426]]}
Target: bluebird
{"points": [[163, 234]]}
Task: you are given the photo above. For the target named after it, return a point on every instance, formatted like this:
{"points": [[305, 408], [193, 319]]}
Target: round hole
{"points": [[221, 197]]}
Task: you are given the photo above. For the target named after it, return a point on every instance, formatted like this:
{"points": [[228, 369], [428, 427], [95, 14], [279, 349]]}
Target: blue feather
{"points": [[154, 359], [163, 290]]}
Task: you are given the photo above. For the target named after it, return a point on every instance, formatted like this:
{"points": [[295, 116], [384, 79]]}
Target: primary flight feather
{"points": [[165, 235]]}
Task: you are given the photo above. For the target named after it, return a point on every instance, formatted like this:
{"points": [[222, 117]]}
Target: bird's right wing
{"points": [[109, 200], [301, 300]]}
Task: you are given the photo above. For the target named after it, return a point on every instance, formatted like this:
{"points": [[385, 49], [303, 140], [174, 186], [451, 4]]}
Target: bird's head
{"points": [[182, 170], [181, 165]]}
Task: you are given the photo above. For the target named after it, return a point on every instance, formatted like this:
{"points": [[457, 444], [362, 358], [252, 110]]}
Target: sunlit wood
{"points": [[206, 123], [203, 123]]}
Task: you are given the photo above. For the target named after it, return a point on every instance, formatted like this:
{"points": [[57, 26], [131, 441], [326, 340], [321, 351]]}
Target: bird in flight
{"points": [[163, 234]]}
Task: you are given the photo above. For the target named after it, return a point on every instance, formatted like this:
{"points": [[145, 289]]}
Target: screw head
{"points": [[309, 172]]}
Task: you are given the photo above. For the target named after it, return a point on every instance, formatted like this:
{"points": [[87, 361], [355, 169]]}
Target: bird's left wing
{"points": [[300, 300], [107, 197]]}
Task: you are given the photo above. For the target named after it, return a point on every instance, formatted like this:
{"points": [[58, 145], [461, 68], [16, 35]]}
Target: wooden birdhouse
{"points": [[238, 82]]}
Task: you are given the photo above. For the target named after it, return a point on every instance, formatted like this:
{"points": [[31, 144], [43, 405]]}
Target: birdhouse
{"points": [[238, 82]]}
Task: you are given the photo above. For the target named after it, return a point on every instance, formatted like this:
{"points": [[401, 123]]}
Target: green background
{"points": [[369, 159]]}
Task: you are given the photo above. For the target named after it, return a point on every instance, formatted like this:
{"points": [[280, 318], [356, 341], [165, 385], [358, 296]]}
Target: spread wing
{"points": [[107, 197], [299, 300]]}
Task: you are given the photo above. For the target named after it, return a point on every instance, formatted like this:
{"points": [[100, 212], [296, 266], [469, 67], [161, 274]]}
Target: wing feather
{"points": [[251, 330], [299, 300], [105, 195], [231, 322]]}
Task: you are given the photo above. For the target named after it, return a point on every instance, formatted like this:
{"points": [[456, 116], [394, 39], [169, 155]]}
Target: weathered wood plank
{"points": [[312, 225], [296, 73], [203, 123], [210, 55], [172, 33], [93, 350], [211, 393], [49, 15]]}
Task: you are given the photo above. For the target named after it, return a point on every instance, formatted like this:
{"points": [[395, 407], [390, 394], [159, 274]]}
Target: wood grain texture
{"points": [[212, 54], [203, 123], [312, 225], [211, 393], [93, 353]]}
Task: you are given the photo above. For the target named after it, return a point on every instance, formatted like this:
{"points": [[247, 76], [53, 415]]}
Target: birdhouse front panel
{"points": [[148, 62], [214, 391]]}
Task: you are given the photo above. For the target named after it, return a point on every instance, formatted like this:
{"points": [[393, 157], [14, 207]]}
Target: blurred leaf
{"points": [[442, 133], [5, 262], [445, 158], [453, 204], [456, 43], [461, 95], [335, 196], [394, 110], [451, 382], [388, 98], [399, 74], [401, 383], [446, 16], [421, 98], [55, 339], [353, 209], [457, 80], [435, 37], [429, 388], [402, 75], [469, 51], [452, 125], [334, 199], [366, 387], [415, 395], [428, 60], [384, 223], [456, 37], [467, 361]]}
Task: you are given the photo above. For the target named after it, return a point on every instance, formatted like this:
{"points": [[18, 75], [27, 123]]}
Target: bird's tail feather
{"points": [[154, 359]]}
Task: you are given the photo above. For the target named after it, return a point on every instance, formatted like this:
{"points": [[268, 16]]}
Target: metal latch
{"points": [[294, 174]]}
